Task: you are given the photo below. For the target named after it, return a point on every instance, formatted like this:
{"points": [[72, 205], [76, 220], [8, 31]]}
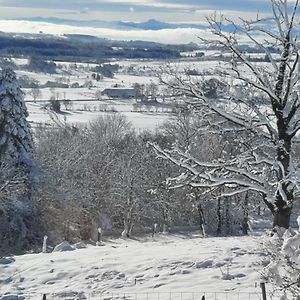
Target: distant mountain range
{"points": [[151, 24], [94, 30]]}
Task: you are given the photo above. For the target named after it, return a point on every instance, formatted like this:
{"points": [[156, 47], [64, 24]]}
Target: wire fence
{"points": [[151, 296]]}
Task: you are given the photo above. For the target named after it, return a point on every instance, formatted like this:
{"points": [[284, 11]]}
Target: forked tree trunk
{"points": [[128, 225]]}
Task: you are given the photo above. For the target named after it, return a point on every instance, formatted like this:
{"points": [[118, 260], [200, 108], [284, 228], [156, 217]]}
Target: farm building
{"points": [[119, 93]]}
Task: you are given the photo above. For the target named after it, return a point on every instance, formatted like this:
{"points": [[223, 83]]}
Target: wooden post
{"points": [[44, 249], [154, 229], [44, 297], [263, 290], [99, 238]]}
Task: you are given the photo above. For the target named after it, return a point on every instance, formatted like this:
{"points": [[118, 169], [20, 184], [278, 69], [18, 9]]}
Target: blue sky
{"points": [[130, 10]]}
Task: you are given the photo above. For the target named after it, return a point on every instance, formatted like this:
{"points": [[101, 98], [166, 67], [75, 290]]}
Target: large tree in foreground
{"points": [[264, 114], [15, 136], [16, 206]]}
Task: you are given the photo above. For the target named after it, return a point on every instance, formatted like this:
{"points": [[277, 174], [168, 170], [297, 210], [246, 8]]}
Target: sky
{"points": [[131, 10], [171, 11]]}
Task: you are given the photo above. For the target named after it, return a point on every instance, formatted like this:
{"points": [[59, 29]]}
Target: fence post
{"points": [[263, 290]]}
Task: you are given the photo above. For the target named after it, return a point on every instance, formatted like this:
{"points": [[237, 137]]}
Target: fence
{"points": [[151, 296]]}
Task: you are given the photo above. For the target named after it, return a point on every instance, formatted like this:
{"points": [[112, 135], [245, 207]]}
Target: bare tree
{"points": [[153, 90], [98, 95], [35, 93], [266, 120]]}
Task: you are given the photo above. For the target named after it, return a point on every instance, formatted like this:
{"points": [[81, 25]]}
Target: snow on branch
{"points": [[216, 174]]}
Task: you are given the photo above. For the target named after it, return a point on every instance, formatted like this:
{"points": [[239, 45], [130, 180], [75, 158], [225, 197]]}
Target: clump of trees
{"points": [[105, 175], [146, 92], [38, 64], [106, 70], [55, 105], [101, 171]]}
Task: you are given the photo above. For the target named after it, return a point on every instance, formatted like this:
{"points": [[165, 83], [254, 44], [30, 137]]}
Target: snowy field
{"points": [[140, 121], [146, 268], [143, 72]]}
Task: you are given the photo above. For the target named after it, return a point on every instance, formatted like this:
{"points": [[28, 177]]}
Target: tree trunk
{"points": [[245, 226], [128, 226], [125, 232], [285, 193], [165, 220], [281, 217], [219, 226], [227, 216], [201, 218]]}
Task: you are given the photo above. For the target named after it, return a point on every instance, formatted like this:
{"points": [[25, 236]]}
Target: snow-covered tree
{"points": [[16, 203], [15, 136], [261, 110], [284, 269]]}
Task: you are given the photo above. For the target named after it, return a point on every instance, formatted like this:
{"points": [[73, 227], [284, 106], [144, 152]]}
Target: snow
{"points": [[140, 121], [284, 253], [168, 36], [64, 246], [85, 107], [165, 263], [86, 111]]}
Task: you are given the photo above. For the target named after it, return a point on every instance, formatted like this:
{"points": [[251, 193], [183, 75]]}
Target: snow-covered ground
{"points": [[140, 121], [131, 71], [163, 267], [86, 111]]}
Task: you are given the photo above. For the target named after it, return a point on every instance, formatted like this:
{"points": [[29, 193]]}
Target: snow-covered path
{"points": [[163, 264]]}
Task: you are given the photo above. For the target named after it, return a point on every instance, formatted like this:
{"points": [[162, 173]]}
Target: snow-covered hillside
{"points": [[167, 263]]}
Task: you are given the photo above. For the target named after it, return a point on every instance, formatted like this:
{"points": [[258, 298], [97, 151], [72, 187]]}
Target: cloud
{"points": [[166, 36], [169, 36], [152, 3], [164, 10]]}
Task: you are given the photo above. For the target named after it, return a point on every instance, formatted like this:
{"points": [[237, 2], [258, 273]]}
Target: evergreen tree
{"points": [[15, 137], [18, 227]]}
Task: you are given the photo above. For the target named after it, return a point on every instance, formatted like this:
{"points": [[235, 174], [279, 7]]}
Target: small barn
{"points": [[119, 93]]}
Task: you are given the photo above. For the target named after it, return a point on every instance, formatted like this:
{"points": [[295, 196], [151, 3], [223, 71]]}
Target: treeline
{"points": [[52, 48]]}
